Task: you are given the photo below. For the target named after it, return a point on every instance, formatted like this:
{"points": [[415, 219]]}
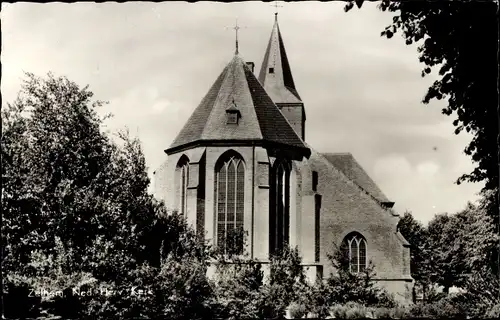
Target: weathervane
{"points": [[276, 6]]}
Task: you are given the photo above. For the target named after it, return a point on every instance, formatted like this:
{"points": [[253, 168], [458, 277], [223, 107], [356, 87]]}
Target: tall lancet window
{"points": [[229, 195], [355, 246], [182, 171], [279, 223]]}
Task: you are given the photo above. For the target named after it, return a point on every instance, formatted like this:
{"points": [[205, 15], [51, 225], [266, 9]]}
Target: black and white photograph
{"points": [[250, 160]]}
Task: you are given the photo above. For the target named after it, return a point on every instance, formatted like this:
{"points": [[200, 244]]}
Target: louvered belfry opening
{"points": [[279, 215]]}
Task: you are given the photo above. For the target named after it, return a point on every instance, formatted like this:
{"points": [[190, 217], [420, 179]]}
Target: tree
{"points": [[461, 39], [481, 246], [415, 233], [463, 252], [238, 280], [446, 250], [287, 281], [75, 206], [345, 286]]}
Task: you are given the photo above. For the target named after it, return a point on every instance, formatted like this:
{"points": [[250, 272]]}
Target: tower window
{"points": [[315, 180], [271, 70]]}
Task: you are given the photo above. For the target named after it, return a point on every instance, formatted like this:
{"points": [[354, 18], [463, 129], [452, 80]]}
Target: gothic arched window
{"points": [[229, 203], [182, 175], [355, 246], [280, 207]]}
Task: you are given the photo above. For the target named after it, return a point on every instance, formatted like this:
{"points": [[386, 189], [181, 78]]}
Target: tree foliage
{"points": [[345, 286], [460, 40], [77, 214], [415, 233]]}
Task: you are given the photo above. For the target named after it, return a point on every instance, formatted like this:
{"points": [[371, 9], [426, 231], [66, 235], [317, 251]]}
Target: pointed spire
{"points": [[275, 73]]}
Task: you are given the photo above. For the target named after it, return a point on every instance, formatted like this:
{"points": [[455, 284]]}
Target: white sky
{"points": [[154, 62]]}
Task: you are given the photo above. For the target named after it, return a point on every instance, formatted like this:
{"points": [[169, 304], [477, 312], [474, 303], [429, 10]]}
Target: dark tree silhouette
{"points": [[460, 40]]}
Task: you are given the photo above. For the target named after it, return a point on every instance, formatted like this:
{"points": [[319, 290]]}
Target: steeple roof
{"points": [[261, 122], [275, 73]]}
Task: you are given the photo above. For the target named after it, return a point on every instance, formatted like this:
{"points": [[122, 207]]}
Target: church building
{"points": [[241, 162]]}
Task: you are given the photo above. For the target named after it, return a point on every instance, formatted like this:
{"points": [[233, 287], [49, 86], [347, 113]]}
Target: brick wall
{"points": [[344, 209]]}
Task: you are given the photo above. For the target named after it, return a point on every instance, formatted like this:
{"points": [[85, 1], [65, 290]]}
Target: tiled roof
{"points": [[278, 84], [346, 163], [273, 124], [260, 119]]}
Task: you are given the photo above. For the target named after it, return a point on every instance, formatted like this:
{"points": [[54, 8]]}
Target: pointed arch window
{"points": [[280, 207], [182, 184], [355, 244], [229, 196]]}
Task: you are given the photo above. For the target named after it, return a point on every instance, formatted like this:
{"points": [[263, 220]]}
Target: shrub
{"points": [[286, 284], [391, 313], [351, 310], [317, 299], [297, 310], [346, 286], [494, 312], [442, 308]]}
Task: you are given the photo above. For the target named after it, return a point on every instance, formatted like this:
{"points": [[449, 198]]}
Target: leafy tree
{"points": [[345, 286], [75, 206], [287, 281], [238, 280], [461, 39], [242, 291], [446, 250], [415, 233], [481, 246]]}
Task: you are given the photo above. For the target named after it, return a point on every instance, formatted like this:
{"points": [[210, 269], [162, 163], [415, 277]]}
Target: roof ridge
{"points": [[217, 97], [337, 153], [246, 82]]}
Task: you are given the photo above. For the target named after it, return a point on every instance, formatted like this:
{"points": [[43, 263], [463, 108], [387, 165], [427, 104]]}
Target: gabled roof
{"points": [[279, 82], [261, 121], [346, 163]]}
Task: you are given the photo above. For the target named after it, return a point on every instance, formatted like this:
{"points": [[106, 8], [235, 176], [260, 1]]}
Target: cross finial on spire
{"points": [[276, 6], [236, 28]]}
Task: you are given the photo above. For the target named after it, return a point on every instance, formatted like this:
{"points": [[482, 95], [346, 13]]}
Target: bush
{"points": [[442, 308], [494, 312], [297, 310], [346, 286], [351, 310], [391, 313]]}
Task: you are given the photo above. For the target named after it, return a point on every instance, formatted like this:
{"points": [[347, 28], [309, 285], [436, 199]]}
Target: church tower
{"points": [[276, 78], [230, 167]]}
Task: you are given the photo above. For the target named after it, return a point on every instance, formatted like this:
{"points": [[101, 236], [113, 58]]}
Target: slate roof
{"points": [[346, 163], [260, 119], [279, 85]]}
